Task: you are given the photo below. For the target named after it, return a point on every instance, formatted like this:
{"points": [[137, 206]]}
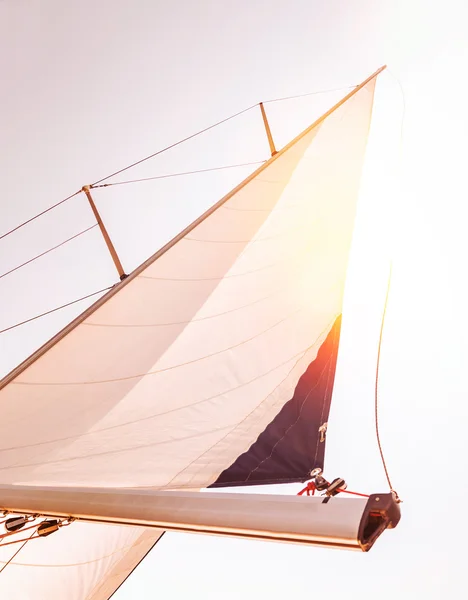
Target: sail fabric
{"points": [[81, 561], [183, 367], [291, 445]]}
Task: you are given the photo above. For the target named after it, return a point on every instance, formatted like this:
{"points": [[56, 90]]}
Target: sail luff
{"points": [[118, 286]]}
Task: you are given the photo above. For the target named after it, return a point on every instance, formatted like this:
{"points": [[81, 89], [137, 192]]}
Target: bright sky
{"points": [[91, 86]]}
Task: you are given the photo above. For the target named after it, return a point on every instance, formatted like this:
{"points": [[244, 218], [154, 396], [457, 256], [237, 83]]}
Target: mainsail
{"points": [[211, 364]]}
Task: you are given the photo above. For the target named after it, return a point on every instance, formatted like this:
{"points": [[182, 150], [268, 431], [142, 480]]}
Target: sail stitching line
{"points": [[270, 209], [231, 275], [58, 565], [194, 320], [251, 241], [163, 370], [119, 451]]}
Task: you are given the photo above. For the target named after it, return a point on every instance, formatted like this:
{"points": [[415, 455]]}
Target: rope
{"points": [[31, 537], [24, 540], [352, 493], [257, 162], [4, 535], [310, 490], [39, 215], [377, 432], [47, 251], [48, 312]]}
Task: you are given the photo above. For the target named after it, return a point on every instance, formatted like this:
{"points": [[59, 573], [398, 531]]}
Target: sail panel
{"points": [[185, 368], [291, 445]]}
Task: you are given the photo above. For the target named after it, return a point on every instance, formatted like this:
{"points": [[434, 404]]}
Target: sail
{"points": [[212, 363]]}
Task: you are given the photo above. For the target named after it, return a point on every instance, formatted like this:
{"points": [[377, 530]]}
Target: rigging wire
{"points": [[47, 251], [257, 162], [207, 129], [39, 215], [189, 137], [376, 395], [99, 184], [348, 87], [96, 183], [48, 312]]}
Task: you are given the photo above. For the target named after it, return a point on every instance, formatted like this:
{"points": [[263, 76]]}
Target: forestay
{"points": [[213, 363]]}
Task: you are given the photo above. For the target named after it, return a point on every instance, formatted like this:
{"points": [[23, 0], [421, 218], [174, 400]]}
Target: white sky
{"points": [[93, 85]]}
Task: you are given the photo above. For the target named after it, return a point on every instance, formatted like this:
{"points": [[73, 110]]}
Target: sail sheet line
{"points": [[9, 561], [376, 388], [298, 355]]}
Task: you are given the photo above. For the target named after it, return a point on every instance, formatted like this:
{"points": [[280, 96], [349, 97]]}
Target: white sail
{"points": [[178, 370]]}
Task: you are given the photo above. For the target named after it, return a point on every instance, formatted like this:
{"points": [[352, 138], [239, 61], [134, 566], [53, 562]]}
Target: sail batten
{"points": [[211, 364]]}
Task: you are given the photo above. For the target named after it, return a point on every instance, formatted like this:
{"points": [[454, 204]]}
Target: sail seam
{"points": [[160, 414], [163, 370]]}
